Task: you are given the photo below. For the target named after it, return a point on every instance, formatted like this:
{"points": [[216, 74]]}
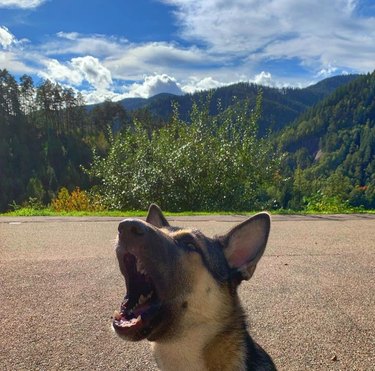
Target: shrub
{"points": [[321, 202], [78, 200]]}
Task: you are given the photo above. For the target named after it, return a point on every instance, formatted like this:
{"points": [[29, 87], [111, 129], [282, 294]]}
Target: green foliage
{"points": [[35, 189], [322, 203], [331, 149], [212, 163], [214, 154], [46, 134]]}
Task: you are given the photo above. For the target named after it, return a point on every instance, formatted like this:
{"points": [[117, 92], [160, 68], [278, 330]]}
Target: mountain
{"points": [[337, 136], [280, 106], [327, 131]]}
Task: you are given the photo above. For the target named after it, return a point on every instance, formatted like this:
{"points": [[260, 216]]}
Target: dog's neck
{"points": [[184, 354], [198, 351]]}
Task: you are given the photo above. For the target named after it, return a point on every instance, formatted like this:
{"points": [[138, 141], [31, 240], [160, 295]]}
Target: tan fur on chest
{"points": [[227, 352], [224, 352]]}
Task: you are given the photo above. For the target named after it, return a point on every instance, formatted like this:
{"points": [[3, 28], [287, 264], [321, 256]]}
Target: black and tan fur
{"points": [[193, 315]]}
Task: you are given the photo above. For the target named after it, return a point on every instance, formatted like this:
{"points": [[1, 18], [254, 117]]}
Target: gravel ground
{"points": [[310, 304]]}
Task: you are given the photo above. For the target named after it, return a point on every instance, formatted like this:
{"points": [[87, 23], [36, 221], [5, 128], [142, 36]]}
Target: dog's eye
{"points": [[188, 243], [191, 246]]}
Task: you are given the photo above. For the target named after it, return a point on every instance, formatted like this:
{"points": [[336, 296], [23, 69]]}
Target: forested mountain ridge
{"points": [[280, 106], [44, 139], [334, 141], [48, 134]]}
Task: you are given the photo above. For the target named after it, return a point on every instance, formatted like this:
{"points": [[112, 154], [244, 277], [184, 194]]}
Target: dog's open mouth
{"points": [[141, 304]]}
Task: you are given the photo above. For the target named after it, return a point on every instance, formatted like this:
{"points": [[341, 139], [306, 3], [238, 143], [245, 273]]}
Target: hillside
{"points": [[280, 106], [336, 137], [48, 135]]}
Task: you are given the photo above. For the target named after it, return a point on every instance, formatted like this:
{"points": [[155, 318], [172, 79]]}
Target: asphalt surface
{"points": [[310, 303]]}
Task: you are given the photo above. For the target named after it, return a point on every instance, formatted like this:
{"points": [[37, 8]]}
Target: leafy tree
{"points": [[211, 163]]}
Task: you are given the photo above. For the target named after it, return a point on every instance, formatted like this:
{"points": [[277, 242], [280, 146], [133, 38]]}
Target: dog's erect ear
{"points": [[244, 244], [156, 217]]}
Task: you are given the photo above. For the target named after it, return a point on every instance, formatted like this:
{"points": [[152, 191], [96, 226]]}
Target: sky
{"points": [[109, 49]]}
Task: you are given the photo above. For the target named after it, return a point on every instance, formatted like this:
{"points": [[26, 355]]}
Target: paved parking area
{"points": [[311, 302]]}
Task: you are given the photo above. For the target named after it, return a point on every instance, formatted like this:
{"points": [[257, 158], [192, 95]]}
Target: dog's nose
{"points": [[132, 227]]}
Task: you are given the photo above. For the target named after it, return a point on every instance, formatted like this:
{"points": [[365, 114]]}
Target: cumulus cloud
{"points": [[93, 71], [11, 61], [155, 84], [23, 4], [10, 56], [57, 71], [327, 72], [196, 84], [78, 70], [264, 78], [150, 86], [6, 38]]}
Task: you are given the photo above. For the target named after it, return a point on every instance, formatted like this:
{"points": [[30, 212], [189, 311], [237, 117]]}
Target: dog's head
{"points": [[180, 278]]}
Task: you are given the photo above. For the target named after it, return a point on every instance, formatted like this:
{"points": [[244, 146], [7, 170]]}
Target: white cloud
{"points": [[10, 53], [93, 71], [57, 71], [326, 72], [75, 43], [131, 62], [196, 84], [235, 38], [77, 71], [23, 4], [10, 61], [99, 96], [6, 38], [153, 85], [68, 35], [264, 78], [332, 32]]}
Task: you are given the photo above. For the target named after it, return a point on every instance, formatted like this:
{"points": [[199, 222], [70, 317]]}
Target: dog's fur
{"points": [[193, 314]]}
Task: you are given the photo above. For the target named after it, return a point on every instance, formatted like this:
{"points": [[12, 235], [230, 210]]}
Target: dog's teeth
{"points": [[117, 315], [142, 299]]}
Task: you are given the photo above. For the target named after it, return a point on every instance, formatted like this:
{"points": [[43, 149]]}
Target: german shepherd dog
{"points": [[181, 292]]}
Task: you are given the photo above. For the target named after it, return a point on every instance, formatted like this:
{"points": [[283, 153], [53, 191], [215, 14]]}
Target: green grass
{"points": [[48, 212], [143, 213], [113, 213]]}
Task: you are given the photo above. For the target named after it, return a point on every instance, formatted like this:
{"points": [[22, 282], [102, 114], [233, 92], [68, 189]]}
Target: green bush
{"points": [[210, 163]]}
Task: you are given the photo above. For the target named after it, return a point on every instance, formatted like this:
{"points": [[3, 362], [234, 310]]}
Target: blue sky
{"points": [[116, 49]]}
